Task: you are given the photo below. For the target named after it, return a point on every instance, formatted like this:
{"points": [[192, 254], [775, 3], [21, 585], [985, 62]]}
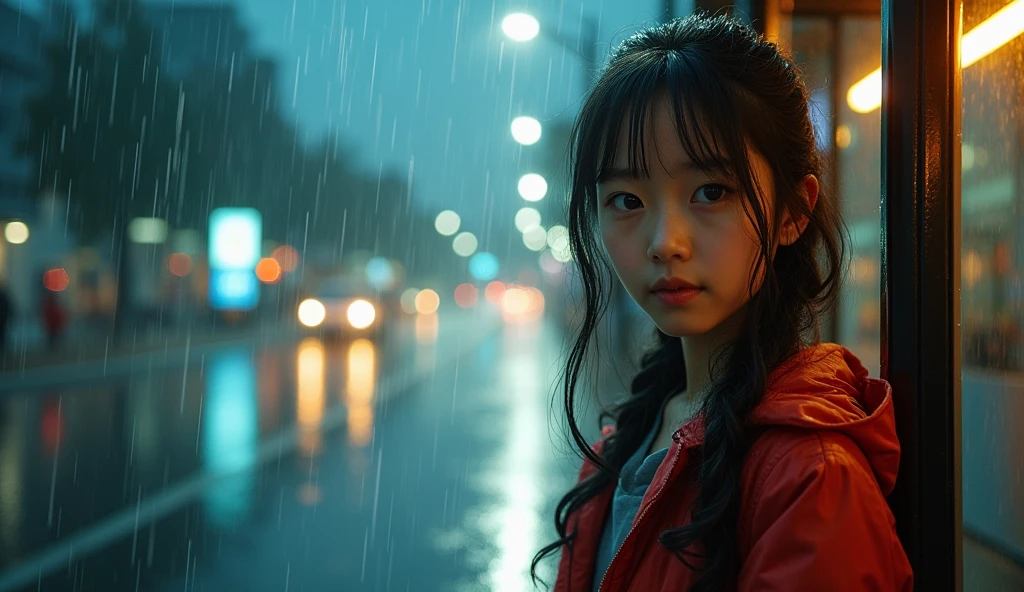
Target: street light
{"points": [[465, 244], [520, 26], [447, 223], [533, 187], [526, 130], [527, 217], [558, 237], [535, 238], [16, 232]]}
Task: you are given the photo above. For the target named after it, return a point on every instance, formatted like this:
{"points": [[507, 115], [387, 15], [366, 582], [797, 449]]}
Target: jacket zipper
{"points": [[637, 522]]}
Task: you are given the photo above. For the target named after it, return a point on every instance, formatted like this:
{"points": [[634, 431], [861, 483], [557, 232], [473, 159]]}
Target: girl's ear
{"points": [[792, 229]]}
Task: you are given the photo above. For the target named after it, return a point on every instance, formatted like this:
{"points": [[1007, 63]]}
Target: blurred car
{"points": [[344, 307]]}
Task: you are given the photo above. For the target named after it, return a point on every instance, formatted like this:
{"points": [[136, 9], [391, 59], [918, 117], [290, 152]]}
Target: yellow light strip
{"points": [[997, 30]]}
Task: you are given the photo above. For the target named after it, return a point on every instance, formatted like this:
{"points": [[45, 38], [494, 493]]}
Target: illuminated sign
{"points": [[234, 289], [236, 239]]}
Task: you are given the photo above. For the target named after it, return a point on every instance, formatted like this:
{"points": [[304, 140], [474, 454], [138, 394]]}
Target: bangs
{"points": [[703, 104]]}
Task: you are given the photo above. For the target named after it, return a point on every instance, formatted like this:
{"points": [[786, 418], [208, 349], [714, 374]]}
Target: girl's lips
{"points": [[677, 297]]}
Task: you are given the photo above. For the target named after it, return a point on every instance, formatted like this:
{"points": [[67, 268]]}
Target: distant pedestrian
{"points": [[55, 319], [749, 455]]}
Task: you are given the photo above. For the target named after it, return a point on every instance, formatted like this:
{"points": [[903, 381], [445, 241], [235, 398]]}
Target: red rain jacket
{"points": [[813, 513]]}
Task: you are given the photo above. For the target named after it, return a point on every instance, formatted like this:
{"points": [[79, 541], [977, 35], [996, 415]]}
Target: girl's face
{"points": [[683, 224]]}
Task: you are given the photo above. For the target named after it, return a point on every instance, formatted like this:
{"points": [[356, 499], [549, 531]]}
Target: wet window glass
{"points": [[992, 185], [990, 277], [836, 53]]}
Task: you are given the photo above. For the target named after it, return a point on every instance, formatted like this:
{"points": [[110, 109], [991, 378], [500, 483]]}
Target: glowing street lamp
{"points": [[16, 232], [535, 238], [533, 187], [447, 223], [465, 244], [527, 217], [526, 130], [520, 26]]}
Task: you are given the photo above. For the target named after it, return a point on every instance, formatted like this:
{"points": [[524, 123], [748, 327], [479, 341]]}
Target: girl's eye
{"points": [[713, 192], [626, 202]]}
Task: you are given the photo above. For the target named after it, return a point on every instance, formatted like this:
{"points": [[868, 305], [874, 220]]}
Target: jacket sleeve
{"points": [[817, 520]]}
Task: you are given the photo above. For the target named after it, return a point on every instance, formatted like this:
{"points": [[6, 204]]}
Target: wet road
{"points": [[426, 462]]}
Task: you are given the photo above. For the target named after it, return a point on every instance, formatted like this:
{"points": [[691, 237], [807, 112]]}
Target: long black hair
{"points": [[729, 90]]}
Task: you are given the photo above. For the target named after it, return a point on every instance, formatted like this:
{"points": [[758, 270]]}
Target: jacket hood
{"points": [[825, 387]]}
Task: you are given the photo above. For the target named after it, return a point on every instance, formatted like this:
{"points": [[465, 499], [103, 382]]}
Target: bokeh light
{"points": [[527, 217], [533, 187], [549, 264], [520, 26], [526, 130], [521, 304], [465, 244], [515, 301], [966, 157], [312, 312], [287, 257], [179, 264], [558, 240], [16, 233], [535, 238], [466, 295], [427, 302], [408, 300], [447, 223], [562, 255], [494, 291], [380, 273], [361, 314], [147, 231], [844, 136], [484, 266], [268, 270], [56, 280]]}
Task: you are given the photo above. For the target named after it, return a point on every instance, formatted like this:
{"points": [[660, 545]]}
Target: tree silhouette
{"points": [[122, 137], [106, 128]]}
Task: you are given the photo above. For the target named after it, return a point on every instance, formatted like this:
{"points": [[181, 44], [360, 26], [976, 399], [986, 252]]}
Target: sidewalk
{"points": [[86, 355], [90, 344]]}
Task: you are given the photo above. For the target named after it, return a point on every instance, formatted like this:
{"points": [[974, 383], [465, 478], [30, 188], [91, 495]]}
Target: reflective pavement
{"points": [[427, 462]]}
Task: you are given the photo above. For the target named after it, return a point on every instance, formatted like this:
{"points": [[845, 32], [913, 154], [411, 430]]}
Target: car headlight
{"points": [[312, 312], [361, 314]]}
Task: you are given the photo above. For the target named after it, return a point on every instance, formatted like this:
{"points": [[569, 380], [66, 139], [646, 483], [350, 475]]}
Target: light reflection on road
{"points": [[427, 326], [360, 384], [11, 455], [514, 520], [309, 376], [230, 436], [501, 531]]}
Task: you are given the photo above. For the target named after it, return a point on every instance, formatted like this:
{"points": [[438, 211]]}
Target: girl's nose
{"points": [[670, 239]]}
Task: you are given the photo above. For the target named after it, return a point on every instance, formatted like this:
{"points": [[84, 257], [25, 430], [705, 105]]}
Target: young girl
{"points": [[749, 456]]}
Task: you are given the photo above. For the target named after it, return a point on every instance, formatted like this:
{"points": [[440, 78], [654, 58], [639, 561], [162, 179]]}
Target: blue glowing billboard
{"points": [[236, 238], [234, 289]]}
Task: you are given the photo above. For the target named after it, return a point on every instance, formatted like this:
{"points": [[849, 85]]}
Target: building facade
{"points": [[21, 41]]}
